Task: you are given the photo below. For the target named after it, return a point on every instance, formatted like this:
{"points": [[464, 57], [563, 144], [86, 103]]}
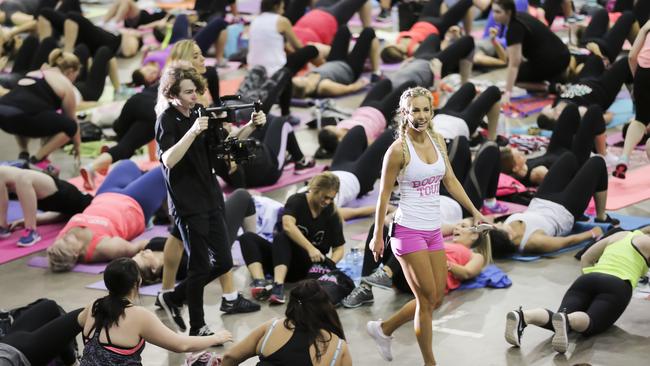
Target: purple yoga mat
{"points": [[249, 6], [151, 290], [369, 199], [288, 177], [617, 138], [92, 268]]}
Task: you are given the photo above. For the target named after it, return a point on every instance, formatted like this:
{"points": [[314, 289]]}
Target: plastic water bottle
{"points": [[394, 18], [355, 261]]}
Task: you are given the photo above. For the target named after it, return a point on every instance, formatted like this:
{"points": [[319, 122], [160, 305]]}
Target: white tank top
{"points": [[550, 217], [419, 185], [266, 44]]}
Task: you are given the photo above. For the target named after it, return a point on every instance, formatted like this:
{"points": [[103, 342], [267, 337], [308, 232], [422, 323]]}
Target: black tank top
{"points": [[97, 353], [33, 98], [67, 199]]}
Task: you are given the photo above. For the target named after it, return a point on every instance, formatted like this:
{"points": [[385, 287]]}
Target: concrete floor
{"points": [[470, 324]]}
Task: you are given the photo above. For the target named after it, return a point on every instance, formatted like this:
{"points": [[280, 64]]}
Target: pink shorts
{"points": [[405, 240]]}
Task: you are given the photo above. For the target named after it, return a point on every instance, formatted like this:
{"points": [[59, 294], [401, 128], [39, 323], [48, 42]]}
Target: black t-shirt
{"points": [[192, 186], [539, 44], [324, 231], [67, 199]]}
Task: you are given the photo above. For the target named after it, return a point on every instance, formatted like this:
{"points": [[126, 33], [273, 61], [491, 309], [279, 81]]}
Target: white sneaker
{"points": [[560, 340], [383, 341]]}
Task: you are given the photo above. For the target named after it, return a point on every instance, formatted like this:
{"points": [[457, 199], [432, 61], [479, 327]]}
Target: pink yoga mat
{"points": [[625, 192], [360, 237], [10, 251], [526, 106], [288, 177], [92, 268], [617, 139]]}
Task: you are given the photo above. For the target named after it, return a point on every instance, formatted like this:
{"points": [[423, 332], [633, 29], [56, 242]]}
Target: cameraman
{"points": [[195, 198]]}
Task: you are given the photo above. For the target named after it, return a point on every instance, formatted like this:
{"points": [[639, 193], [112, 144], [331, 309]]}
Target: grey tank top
{"points": [[417, 70], [337, 71]]}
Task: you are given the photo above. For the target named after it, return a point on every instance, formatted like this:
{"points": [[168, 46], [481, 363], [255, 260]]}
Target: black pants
{"points": [[552, 8], [463, 105], [355, 58], [606, 83], [450, 56], [642, 94], [38, 124], [640, 8], [205, 238], [265, 168], [453, 16], [93, 36], [384, 98], [41, 333], [365, 163], [91, 82], [603, 297], [611, 40], [144, 17], [343, 10], [283, 251], [135, 125], [30, 56], [572, 185], [212, 81]]}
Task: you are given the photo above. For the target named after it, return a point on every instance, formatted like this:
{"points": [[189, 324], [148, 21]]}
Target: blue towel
{"points": [[491, 276]]}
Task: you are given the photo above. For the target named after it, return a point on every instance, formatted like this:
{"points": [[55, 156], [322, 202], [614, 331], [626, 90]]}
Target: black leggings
{"points": [[642, 94], [38, 124], [455, 14], [450, 56], [93, 36], [265, 168], [611, 40], [552, 8], [572, 185], [135, 125], [606, 82], [480, 177], [463, 105], [603, 297], [204, 38], [384, 98], [31, 56], [283, 251], [640, 8], [356, 58], [365, 163], [41, 333], [91, 82], [343, 10]]}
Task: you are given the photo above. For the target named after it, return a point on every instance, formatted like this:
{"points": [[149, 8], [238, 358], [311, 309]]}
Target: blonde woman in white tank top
{"points": [[418, 160], [270, 33]]}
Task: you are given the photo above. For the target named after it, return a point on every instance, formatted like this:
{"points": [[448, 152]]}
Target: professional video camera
{"points": [[224, 147]]}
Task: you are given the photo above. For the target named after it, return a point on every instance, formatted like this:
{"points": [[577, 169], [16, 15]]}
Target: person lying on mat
{"points": [[341, 73], [311, 227], [408, 42], [611, 270], [310, 334], [37, 190], [467, 254], [374, 115], [127, 11], [571, 133], [119, 212], [562, 197], [115, 330]]}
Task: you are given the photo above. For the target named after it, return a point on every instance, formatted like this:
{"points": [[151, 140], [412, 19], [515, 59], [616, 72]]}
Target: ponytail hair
{"points": [[63, 60], [120, 277], [483, 246], [508, 6]]}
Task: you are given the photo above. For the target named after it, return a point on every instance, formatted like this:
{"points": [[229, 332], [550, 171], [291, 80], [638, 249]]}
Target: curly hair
{"points": [[170, 83]]}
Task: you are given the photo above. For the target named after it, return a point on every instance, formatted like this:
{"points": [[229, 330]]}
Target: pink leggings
{"points": [[406, 240]]}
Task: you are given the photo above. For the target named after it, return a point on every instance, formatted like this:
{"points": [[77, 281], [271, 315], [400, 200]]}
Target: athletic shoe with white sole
{"points": [[515, 326], [383, 341], [378, 278], [172, 310], [359, 296], [560, 340]]}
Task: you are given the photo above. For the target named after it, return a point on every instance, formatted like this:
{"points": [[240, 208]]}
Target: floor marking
{"points": [[457, 332]]}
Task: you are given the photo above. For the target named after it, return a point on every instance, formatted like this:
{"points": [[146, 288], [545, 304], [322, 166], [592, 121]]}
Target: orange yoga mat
{"points": [[230, 86], [171, 5]]}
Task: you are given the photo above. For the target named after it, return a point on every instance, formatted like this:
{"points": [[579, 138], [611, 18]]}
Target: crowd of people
{"points": [[434, 156]]}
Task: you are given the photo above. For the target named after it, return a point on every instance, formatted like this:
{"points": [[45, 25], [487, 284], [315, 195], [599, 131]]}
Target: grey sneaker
{"points": [[378, 278], [359, 296], [560, 340]]}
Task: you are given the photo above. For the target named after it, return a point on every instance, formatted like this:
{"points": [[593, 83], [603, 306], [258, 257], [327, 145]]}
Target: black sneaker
{"points": [[515, 325], [608, 220], [277, 294], [303, 164], [23, 155], [238, 306], [204, 331], [172, 310], [260, 290], [384, 15]]}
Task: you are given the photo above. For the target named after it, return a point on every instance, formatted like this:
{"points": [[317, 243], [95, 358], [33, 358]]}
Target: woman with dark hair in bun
{"points": [[310, 334]]}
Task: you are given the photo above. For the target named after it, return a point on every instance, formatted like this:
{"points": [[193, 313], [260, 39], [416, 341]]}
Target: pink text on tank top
{"points": [[429, 186]]}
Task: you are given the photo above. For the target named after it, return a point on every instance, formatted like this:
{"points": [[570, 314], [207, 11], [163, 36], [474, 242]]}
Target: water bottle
{"points": [[394, 18], [5, 323], [355, 261]]}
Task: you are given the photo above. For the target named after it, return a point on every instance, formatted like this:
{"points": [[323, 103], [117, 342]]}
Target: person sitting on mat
{"points": [[341, 73], [611, 270], [571, 133], [31, 109], [639, 60], [310, 334], [311, 226], [562, 197], [119, 212]]}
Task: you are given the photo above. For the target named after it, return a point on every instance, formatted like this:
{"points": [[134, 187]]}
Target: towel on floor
{"points": [[491, 276]]}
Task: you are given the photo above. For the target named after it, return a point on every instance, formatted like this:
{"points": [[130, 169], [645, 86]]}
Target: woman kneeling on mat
{"points": [[563, 196], [123, 205], [419, 162], [611, 270]]}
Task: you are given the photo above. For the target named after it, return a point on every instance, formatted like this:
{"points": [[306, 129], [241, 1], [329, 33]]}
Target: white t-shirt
{"points": [[349, 188], [450, 211], [267, 215], [449, 126]]}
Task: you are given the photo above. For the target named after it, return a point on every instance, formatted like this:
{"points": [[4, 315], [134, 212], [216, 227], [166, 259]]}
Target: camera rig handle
{"points": [[232, 108]]}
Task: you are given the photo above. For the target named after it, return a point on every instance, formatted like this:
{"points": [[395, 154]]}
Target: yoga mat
{"points": [[230, 86], [249, 7], [623, 110], [288, 177], [512, 208], [523, 130], [78, 182], [625, 192], [359, 237], [150, 290], [92, 268], [232, 65], [175, 4], [616, 139], [10, 251], [369, 199], [525, 106]]}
